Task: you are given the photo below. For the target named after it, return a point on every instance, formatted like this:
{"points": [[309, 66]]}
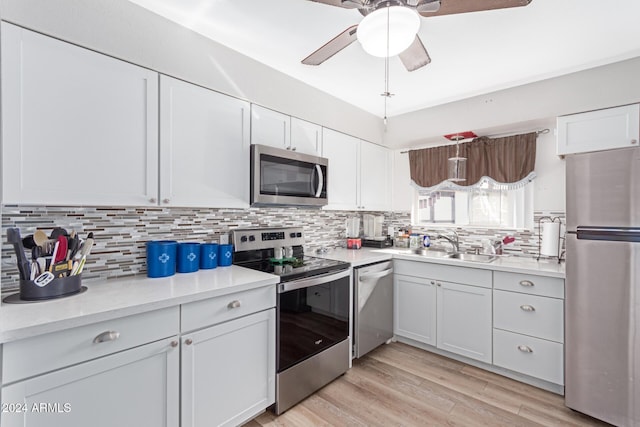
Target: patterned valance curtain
{"points": [[509, 160]]}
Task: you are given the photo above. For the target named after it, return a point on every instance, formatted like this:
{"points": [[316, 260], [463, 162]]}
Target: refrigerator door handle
{"points": [[615, 234]]}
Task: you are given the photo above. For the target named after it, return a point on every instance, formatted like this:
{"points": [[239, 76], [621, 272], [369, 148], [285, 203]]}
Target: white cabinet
{"points": [[617, 127], [270, 127], [528, 322], [375, 177], [78, 127], [455, 317], [306, 137], [414, 309], [464, 320], [228, 361], [359, 173], [198, 128], [118, 372], [132, 388], [279, 130]]}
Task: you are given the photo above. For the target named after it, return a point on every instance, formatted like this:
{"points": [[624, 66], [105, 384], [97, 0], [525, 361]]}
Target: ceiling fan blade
{"points": [[415, 56], [332, 47], [450, 7], [347, 4]]}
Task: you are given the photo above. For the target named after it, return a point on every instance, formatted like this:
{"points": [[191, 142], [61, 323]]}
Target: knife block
{"points": [[59, 287]]}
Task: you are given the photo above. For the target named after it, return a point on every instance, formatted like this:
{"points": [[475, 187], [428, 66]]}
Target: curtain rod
{"points": [[538, 132]]}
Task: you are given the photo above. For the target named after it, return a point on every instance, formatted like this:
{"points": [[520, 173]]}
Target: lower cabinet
{"points": [[136, 387], [455, 317], [464, 320], [228, 371]]}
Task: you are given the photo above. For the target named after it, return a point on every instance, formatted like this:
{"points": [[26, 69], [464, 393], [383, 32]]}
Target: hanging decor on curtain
{"points": [[506, 163], [457, 164]]}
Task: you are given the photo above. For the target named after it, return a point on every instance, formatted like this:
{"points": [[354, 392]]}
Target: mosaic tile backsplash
{"points": [[121, 232]]}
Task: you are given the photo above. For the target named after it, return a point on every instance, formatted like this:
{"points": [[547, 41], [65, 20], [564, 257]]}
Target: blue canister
{"points": [[208, 255], [225, 255], [188, 257], [161, 258]]}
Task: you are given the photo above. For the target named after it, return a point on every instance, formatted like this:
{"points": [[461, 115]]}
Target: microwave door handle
{"points": [[320, 181]]}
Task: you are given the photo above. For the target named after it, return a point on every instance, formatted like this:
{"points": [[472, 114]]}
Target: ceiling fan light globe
{"points": [[404, 24]]}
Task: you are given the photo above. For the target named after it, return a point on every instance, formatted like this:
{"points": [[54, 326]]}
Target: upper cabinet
{"points": [[279, 130], [599, 130], [78, 127], [359, 173], [204, 147]]}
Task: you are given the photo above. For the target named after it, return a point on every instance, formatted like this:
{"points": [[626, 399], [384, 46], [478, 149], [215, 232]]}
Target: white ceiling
{"points": [[472, 54]]}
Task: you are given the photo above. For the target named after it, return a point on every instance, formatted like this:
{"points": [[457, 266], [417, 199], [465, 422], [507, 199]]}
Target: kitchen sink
{"points": [[435, 253], [473, 257]]}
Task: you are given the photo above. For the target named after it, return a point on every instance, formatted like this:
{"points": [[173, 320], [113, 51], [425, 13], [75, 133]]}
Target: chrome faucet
{"points": [[454, 242]]}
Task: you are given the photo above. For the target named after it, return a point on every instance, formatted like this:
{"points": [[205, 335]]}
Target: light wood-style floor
{"points": [[399, 385]]}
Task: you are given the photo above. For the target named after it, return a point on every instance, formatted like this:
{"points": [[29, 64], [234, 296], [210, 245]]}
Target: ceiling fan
{"points": [[413, 54]]}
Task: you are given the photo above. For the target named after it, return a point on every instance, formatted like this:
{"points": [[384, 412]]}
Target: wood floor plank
{"points": [[399, 385]]}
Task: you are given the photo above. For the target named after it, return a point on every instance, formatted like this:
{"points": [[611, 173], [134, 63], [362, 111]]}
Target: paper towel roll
{"points": [[550, 238]]}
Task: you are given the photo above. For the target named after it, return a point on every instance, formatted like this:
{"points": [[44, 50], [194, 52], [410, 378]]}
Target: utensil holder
{"points": [[57, 288]]}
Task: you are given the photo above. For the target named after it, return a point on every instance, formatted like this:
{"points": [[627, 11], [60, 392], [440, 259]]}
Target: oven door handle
{"points": [[320, 181], [312, 281], [378, 275]]}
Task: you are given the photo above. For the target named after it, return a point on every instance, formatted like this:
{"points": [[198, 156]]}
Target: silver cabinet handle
{"points": [[525, 349], [152, 200], [526, 283], [438, 283], [165, 200], [188, 341], [634, 141], [527, 307], [174, 344], [234, 304], [106, 336], [293, 148], [433, 283]]}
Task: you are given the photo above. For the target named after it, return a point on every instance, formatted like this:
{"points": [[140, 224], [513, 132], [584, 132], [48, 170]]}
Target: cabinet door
{"points": [[599, 130], [414, 313], [375, 177], [137, 387], [204, 140], [306, 137], [228, 371], [78, 127], [270, 127], [464, 320], [343, 152]]}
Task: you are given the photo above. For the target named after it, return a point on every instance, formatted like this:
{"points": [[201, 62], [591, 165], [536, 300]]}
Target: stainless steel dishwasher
{"points": [[372, 306]]}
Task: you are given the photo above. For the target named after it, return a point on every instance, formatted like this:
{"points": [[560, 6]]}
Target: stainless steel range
{"points": [[312, 312]]}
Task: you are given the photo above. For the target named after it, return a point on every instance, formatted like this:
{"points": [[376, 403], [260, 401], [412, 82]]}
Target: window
{"points": [[484, 205]]}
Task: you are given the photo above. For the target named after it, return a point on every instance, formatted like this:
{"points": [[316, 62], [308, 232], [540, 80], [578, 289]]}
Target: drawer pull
{"points": [[525, 349], [528, 283], [234, 304], [106, 336], [527, 308], [188, 341]]}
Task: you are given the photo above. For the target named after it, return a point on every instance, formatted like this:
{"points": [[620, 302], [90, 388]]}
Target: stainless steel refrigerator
{"points": [[602, 307]]}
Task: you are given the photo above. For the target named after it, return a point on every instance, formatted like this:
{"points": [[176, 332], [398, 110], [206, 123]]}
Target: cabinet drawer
{"points": [[211, 311], [543, 361], [541, 317], [464, 275], [52, 351], [529, 284]]}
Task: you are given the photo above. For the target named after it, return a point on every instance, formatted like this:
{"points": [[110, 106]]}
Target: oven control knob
{"points": [[252, 238], [292, 235], [243, 239], [298, 234]]}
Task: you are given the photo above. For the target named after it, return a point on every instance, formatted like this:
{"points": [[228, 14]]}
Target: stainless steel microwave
{"points": [[285, 177]]}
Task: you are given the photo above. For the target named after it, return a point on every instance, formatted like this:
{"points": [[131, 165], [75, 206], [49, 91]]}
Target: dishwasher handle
{"points": [[376, 275]]}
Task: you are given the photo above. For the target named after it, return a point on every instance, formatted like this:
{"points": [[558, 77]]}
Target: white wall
{"points": [[129, 32], [520, 108]]}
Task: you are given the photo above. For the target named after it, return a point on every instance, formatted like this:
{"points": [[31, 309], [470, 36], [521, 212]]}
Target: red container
{"points": [[354, 243]]}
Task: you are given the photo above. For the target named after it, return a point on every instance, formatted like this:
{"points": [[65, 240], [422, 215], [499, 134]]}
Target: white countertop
{"points": [[109, 299], [510, 263]]}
